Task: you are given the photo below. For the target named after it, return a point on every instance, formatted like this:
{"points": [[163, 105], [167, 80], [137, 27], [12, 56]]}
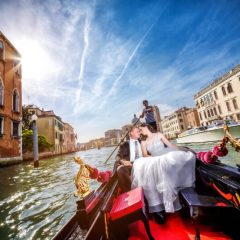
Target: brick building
{"points": [[192, 118], [10, 102]]}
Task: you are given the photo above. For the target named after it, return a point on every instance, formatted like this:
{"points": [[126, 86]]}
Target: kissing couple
{"points": [[161, 168]]}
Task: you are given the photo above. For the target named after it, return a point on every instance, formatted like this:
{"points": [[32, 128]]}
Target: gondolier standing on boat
{"points": [[149, 115]]}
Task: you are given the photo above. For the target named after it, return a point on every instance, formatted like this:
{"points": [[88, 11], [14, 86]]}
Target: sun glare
{"points": [[36, 61]]}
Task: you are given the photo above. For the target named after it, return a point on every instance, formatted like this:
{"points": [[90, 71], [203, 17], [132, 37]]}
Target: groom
{"points": [[129, 151]]}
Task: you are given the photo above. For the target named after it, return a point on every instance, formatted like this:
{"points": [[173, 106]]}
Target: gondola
{"points": [[211, 210]]}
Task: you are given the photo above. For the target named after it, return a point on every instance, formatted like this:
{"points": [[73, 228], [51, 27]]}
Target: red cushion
{"points": [[127, 203]]}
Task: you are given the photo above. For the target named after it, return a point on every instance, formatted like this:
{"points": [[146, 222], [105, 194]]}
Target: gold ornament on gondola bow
{"points": [[82, 178], [85, 173]]}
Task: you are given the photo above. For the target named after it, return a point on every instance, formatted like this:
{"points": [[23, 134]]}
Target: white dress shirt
{"points": [[132, 149]]}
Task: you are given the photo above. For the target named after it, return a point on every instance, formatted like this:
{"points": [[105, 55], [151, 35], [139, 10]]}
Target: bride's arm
{"points": [[167, 142], [144, 149]]}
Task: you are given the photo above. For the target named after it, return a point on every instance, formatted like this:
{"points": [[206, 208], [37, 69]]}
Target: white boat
{"points": [[210, 133]]}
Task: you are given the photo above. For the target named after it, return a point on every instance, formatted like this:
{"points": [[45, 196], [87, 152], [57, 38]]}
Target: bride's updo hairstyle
{"points": [[150, 128]]}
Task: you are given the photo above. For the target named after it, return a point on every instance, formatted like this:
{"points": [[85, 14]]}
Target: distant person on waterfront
{"points": [[163, 174], [149, 115], [128, 152], [135, 119]]}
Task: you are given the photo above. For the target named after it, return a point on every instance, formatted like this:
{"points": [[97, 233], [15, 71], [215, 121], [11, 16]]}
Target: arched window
{"points": [[229, 88], [211, 111], [223, 91], [235, 103], [16, 100], [1, 92], [215, 95], [197, 104], [1, 50]]}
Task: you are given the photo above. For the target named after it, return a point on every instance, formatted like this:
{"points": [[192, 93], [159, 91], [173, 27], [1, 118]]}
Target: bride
{"points": [[164, 173]]}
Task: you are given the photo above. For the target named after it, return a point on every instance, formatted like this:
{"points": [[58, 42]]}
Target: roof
{"points": [[219, 80], [9, 43]]}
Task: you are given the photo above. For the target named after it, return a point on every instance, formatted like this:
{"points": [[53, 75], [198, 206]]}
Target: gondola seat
{"points": [[195, 201], [127, 208]]}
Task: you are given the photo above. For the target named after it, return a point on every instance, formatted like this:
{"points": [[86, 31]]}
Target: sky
{"points": [[94, 62]]}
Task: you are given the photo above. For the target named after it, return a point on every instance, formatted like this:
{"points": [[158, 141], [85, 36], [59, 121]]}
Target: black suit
{"points": [[124, 172]]}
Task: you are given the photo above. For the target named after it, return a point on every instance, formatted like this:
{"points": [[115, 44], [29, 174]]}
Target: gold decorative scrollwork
{"points": [[82, 178], [234, 142]]}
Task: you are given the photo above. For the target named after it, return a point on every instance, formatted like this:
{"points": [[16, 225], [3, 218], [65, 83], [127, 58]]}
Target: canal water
{"points": [[36, 202]]}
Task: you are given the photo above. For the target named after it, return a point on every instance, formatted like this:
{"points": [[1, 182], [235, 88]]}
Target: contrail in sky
{"points": [[111, 91], [83, 59]]}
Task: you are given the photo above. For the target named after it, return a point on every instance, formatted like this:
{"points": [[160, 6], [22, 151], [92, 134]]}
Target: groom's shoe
{"points": [[160, 217]]}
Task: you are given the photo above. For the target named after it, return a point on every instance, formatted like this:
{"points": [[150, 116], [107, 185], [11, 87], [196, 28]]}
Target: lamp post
{"points": [[35, 140]]}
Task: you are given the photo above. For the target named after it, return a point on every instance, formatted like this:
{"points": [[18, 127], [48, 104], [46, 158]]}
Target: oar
{"points": [[121, 141]]}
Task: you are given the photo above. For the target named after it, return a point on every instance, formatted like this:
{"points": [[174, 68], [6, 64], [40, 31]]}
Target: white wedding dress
{"points": [[163, 174]]}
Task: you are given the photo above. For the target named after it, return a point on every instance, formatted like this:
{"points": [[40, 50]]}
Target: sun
{"points": [[35, 59]]}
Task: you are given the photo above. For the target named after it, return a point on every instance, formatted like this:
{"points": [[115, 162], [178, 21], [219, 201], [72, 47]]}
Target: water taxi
{"points": [[210, 133]]}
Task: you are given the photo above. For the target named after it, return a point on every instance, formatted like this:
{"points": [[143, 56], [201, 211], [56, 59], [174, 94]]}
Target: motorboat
{"points": [[210, 133]]}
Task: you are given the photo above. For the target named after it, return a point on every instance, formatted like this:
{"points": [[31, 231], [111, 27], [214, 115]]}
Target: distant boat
{"points": [[210, 133]]}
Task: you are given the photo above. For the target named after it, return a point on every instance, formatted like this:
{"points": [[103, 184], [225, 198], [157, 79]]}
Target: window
{"points": [[235, 103], [205, 115], [208, 113], [15, 101], [223, 91], [180, 120], [1, 50], [200, 115], [17, 67], [228, 106], [212, 114], [15, 129], [215, 111], [1, 126], [219, 109], [1, 92], [238, 116], [229, 88], [215, 95], [182, 127]]}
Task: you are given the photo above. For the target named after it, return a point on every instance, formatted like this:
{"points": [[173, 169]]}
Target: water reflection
{"points": [[36, 202]]}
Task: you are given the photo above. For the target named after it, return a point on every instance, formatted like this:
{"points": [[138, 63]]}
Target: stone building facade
{"points": [[175, 123], [69, 138], [220, 99], [10, 102], [61, 135]]}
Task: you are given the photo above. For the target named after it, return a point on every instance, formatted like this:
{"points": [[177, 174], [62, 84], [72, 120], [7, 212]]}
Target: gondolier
{"points": [[149, 115]]}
